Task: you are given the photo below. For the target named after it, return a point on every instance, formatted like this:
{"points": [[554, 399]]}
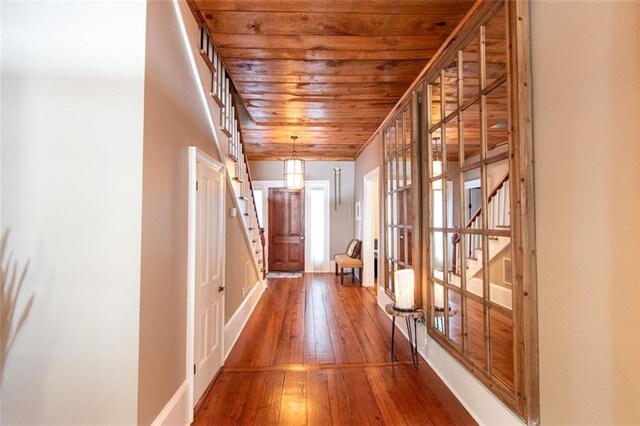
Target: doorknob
{"points": [[221, 289], [302, 237]]}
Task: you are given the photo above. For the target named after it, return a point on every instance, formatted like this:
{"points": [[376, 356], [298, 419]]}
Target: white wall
{"points": [[174, 120], [176, 116], [72, 109], [586, 97]]}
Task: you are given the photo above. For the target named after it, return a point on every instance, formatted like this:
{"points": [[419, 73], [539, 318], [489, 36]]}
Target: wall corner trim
{"points": [[238, 320], [176, 412]]}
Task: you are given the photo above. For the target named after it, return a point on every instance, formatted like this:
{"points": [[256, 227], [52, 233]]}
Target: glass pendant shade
{"points": [[294, 169], [294, 173], [437, 167], [404, 289]]}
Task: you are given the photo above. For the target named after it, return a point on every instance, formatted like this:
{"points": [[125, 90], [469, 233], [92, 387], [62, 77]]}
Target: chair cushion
{"points": [[345, 261], [352, 246]]}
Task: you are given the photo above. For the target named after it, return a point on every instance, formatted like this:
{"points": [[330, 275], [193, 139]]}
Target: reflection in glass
{"points": [[455, 318], [401, 170], [437, 197], [394, 208], [409, 207], [475, 331], [400, 197], [409, 234], [453, 201], [471, 70], [394, 172], [473, 199], [497, 114], [451, 87], [436, 153], [399, 134], [407, 163], [499, 198], [407, 128], [500, 271], [436, 99], [437, 255], [495, 34], [452, 147], [502, 345], [396, 239], [438, 307], [453, 259], [471, 133]]}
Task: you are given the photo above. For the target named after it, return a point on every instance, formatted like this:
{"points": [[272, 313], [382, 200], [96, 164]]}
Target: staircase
{"points": [[222, 91], [498, 208]]}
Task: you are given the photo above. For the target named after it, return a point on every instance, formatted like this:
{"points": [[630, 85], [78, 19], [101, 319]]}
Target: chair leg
{"points": [[336, 269], [360, 280], [341, 275]]}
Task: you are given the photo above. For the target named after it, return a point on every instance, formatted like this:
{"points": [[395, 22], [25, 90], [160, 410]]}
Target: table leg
{"points": [[413, 340], [393, 336]]}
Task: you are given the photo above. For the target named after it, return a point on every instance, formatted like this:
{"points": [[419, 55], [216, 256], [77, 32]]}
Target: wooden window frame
{"points": [[523, 400]]}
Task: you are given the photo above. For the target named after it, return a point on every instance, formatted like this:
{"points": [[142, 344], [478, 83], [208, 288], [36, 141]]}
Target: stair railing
{"points": [[222, 90], [498, 217]]}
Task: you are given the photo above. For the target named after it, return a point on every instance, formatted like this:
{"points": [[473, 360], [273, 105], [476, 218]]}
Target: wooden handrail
{"points": [[206, 37], [252, 197], [475, 216]]}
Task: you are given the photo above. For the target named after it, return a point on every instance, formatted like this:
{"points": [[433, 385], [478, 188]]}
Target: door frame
{"points": [[265, 185], [367, 222], [198, 156]]}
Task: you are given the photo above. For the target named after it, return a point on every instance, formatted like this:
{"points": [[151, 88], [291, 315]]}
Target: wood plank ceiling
{"points": [[327, 71]]}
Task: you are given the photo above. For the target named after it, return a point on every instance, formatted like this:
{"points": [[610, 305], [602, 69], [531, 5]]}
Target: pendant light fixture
{"points": [[294, 169], [437, 157]]}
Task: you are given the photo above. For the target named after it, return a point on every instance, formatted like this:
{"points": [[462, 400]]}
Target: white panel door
{"points": [[209, 286]]}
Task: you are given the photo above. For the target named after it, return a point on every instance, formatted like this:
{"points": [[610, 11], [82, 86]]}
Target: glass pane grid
{"points": [[468, 134]]}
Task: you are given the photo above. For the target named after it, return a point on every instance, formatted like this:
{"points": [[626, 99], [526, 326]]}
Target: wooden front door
{"points": [[286, 229]]}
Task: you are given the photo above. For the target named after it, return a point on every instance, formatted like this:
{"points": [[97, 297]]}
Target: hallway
{"points": [[316, 352]]}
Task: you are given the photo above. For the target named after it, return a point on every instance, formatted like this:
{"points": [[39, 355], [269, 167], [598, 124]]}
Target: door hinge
{"points": [[194, 369], [196, 185]]}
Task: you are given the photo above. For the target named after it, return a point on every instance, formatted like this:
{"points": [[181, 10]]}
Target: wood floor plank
{"points": [[389, 405], [268, 411], [318, 402], [229, 409], [324, 348], [309, 329], [316, 352], [293, 406]]}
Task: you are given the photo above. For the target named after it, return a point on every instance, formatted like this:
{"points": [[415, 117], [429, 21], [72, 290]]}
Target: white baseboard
{"points": [[176, 412], [239, 319], [481, 404]]}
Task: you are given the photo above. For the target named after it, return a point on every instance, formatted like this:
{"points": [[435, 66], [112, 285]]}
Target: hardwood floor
{"points": [[315, 352]]}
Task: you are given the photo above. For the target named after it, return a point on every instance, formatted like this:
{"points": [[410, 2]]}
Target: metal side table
{"points": [[414, 314]]}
